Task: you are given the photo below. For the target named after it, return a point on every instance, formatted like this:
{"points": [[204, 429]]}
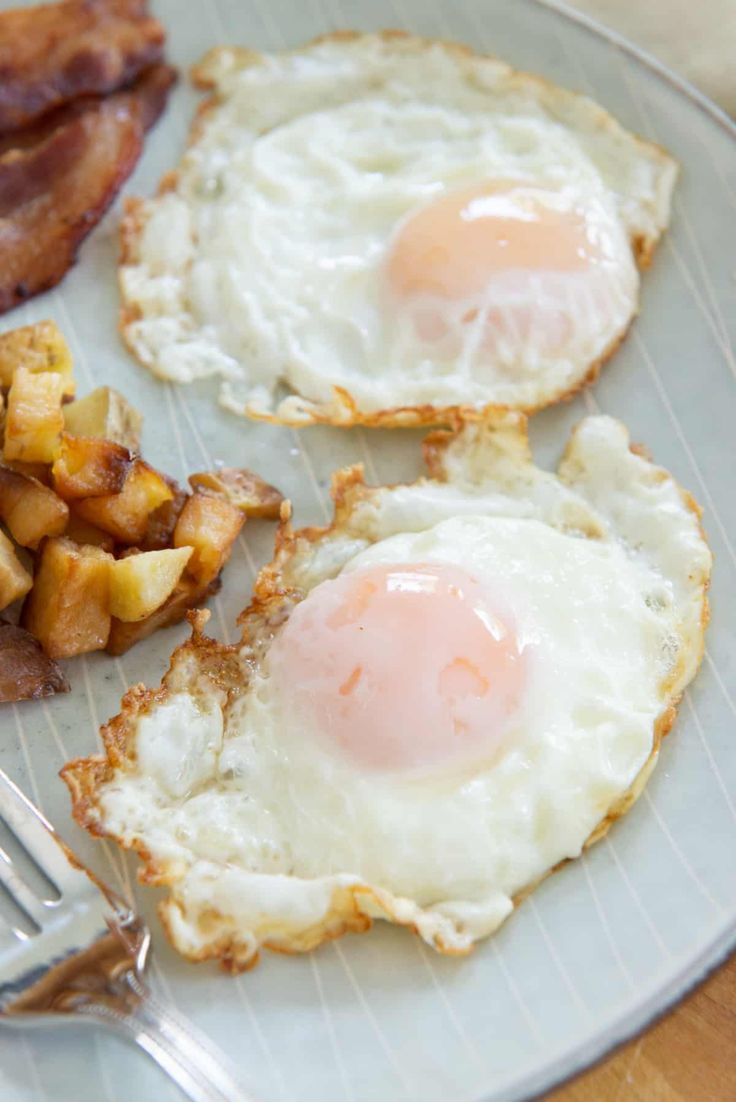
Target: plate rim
{"points": [[568, 1063], [589, 1053]]}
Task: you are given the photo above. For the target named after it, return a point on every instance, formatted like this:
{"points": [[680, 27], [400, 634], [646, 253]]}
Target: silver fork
{"points": [[86, 961]]}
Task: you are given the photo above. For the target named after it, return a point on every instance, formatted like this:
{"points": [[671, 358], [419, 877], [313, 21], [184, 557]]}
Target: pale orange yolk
{"points": [[454, 246], [401, 666], [484, 249]]}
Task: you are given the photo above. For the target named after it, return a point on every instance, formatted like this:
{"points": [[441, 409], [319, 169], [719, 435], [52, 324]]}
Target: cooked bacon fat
{"points": [[53, 53]]}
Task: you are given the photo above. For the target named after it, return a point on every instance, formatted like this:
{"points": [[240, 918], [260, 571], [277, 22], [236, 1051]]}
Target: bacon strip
{"points": [[54, 191], [151, 92], [55, 52]]}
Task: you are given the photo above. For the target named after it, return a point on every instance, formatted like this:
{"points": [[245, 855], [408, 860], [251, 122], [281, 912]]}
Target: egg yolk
{"points": [[452, 247], [455, 248], [401, 666]]}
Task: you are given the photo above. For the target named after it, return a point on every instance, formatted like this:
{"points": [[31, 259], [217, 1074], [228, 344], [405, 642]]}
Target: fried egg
{"points": [[379, 229], [456, 686]]}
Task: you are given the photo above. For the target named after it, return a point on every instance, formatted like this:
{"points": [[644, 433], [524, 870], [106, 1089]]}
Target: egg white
{"points": [[266, 837], [262, 259]]}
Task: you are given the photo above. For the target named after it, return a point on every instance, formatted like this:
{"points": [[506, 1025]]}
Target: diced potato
{"points": [[187, 594], [68, 609], [38, 348], [126, 552], [210, 525], [15, 581], [30, 510], [139, 584], [162, 522], [81, 532], [40, 471], [26, 673], [89, 467], [107, 415], [34, 420], [242, 488], [125, 515]]}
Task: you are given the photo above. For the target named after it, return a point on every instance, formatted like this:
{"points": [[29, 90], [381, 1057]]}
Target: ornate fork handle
{"points": [[103, 983]]}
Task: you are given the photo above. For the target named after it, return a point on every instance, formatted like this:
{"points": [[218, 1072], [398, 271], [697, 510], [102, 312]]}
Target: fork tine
{"points": [[21, 893], [35, 833]]}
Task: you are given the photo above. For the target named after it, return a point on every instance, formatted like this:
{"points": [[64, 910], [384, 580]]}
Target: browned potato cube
{"points": [[30, 510], [40, 471], [162, 522], [87, 467], [125, 515], [68, 609], [107, 415], [38, 348], [139, 584], [242, 488], [210, 525], [26, 673], [187, 594], [34, 420], [82, 532], [15, 581]]}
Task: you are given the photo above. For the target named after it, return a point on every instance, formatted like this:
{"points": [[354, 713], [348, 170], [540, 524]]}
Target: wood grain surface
{"points": [[688, 1056]]}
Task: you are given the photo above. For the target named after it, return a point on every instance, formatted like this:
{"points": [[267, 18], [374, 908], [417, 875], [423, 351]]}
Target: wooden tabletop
{"points": [[688, 1056]]}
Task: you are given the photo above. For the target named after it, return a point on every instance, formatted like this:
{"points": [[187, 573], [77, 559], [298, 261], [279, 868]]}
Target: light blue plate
{"points": [[610, 941]]}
